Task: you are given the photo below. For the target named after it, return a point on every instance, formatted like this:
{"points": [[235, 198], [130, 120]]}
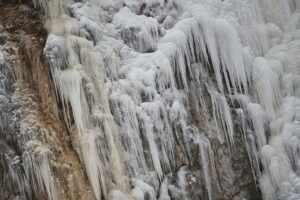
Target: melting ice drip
{"points": [[121, 99]]}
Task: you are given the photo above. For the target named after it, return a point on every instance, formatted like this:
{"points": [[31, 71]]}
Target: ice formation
{"points": [[157, 98]]}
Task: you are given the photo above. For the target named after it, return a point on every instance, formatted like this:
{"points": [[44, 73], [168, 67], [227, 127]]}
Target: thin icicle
{"points": [[222, 115], [259, 121]]}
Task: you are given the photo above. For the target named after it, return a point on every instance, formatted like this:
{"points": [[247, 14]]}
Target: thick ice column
{"points": [[266, 84]]}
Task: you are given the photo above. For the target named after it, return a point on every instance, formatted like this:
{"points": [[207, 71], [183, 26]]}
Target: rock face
{"points": [[149, 99], [36, 155]]}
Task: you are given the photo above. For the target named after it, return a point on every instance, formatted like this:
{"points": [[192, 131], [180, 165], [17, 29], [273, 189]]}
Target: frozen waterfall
{"points": [[150, 99]]}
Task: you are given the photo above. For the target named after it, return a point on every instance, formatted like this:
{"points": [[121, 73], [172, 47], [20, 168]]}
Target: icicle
{"points": [[92, 163], [177, 114], [225, 54], [70, 86], [163, 131], [206, 159], [253, 161], [182, 182], [266, 187], [124, 115], [196, 87], [37, 169], [148, 131], [266, 84], [52, 8], [222, 115], [276, 164], [291, 140], [163, 192], [259, 122], [191, 45]]}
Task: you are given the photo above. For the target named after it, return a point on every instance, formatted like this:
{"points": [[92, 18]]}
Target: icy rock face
{"points": [[36, 158], [155, 99]]}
